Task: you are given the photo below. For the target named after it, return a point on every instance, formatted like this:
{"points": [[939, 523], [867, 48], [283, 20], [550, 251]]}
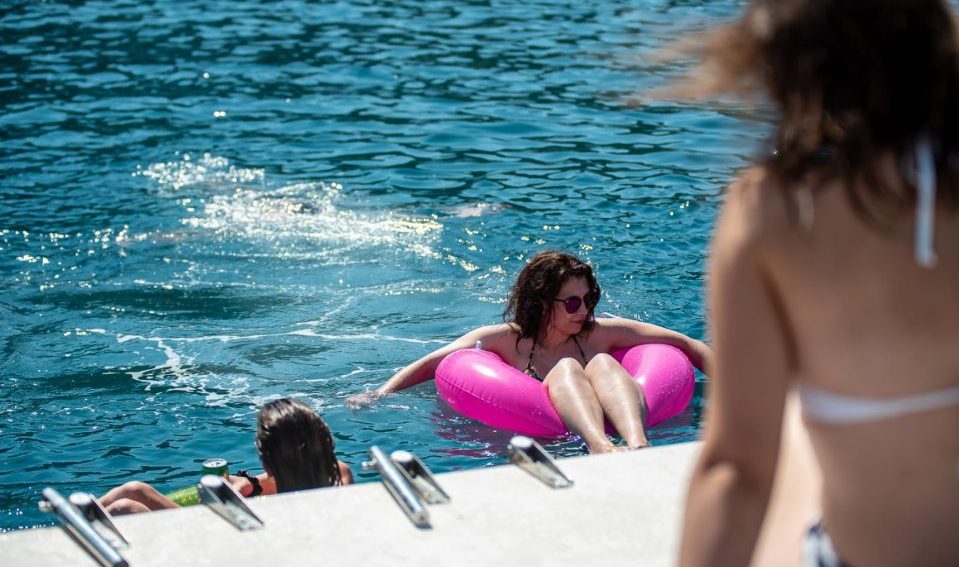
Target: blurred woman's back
{"points": [[869, 324], [838, 257]]}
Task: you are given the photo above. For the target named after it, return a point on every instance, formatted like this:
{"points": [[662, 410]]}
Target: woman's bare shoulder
{"points": [[607, 324], [495, 330], [346, 474], [610, 328], [756, 210], [501, 338], [494, 334], [759, 192]]}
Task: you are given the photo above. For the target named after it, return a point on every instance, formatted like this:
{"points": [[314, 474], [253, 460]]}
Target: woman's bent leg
{"points": [[139, 492], [577, 405], [125, 506], [620, 397]]}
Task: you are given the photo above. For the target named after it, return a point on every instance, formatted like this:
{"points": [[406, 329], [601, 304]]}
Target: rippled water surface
{"points": [[207, 205]]}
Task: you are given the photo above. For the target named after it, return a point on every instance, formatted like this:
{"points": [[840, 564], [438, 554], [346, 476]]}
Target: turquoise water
{"points": [[204, 206]]}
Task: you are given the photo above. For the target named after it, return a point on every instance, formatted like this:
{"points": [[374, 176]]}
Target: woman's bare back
{"points": [[867, 322]]}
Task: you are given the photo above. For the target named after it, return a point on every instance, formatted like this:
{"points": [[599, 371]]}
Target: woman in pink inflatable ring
{"points": [[551, 334]]}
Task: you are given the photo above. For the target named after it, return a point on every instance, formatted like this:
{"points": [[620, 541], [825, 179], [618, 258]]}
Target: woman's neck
{"points": [[552, 339]]}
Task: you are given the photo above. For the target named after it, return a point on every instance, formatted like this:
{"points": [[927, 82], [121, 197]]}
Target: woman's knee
{"points": [[126, 506], [133, 489], [602, 364], [566, 370]]}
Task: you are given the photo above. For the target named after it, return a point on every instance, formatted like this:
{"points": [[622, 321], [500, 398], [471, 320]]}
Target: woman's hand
{"points": [[359, 401], [245, 487], [241, 485]]}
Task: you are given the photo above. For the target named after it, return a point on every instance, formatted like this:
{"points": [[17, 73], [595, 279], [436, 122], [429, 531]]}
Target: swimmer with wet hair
{"points": [[295, 447]]}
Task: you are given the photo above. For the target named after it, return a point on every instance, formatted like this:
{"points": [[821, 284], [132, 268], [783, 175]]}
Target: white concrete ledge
{"points": [[625, 509]]}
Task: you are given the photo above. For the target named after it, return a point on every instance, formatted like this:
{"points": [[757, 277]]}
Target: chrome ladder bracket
{"points": [[420, 477], [409, 482], [85, 531], [217, 494], [530, 456], [99, 518]]}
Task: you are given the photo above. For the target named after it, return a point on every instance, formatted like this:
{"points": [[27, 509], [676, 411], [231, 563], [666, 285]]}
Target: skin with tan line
{"points": [[834, 277], [886, 328]]}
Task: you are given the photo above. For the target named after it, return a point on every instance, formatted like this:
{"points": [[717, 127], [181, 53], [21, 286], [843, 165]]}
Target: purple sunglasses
{"points": [[572, 304]]}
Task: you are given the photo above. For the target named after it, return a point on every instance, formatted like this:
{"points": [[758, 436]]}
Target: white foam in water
{"points": [[177, 373], [172, 365], [469, 210], [236, 205], [174, 360], [363, 337], [308, 212], [174, 372], [208, 170]]}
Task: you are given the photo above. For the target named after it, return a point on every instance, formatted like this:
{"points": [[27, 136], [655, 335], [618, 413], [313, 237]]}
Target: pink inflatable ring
{"points": [[481, 386]]}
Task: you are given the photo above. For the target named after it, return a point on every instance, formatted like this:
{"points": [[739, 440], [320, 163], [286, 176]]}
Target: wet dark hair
{"points": [[531, 300], [853, 80], [295, 446]]}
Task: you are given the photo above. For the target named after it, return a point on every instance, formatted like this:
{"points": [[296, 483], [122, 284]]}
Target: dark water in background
{"points": [[207, 205]]}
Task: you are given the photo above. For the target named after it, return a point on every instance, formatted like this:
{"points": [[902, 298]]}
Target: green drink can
{"points": [[219, 467]]}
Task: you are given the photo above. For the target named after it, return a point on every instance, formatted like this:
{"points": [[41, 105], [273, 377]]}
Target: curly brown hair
{"points": [[853, 80], [296, 447], [531, 298]]}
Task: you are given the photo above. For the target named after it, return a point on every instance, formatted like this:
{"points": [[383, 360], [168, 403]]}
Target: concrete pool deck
{"points": [[624, 509]]}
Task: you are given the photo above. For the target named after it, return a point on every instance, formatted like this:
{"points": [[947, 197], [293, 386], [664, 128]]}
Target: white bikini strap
{"points": [[925, 203], [824, 406]]}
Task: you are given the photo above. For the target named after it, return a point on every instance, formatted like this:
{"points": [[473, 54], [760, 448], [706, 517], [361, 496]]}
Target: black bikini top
{"points": [[529, 363]]}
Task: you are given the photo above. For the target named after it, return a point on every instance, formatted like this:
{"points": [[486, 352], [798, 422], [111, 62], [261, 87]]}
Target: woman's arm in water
{"points": [[425, 368], [732, 479], [627, 332]]}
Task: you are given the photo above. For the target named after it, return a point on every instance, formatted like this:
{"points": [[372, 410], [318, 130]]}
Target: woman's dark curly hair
{"points": [[295, 446], [852, 80], [531, 300]]}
